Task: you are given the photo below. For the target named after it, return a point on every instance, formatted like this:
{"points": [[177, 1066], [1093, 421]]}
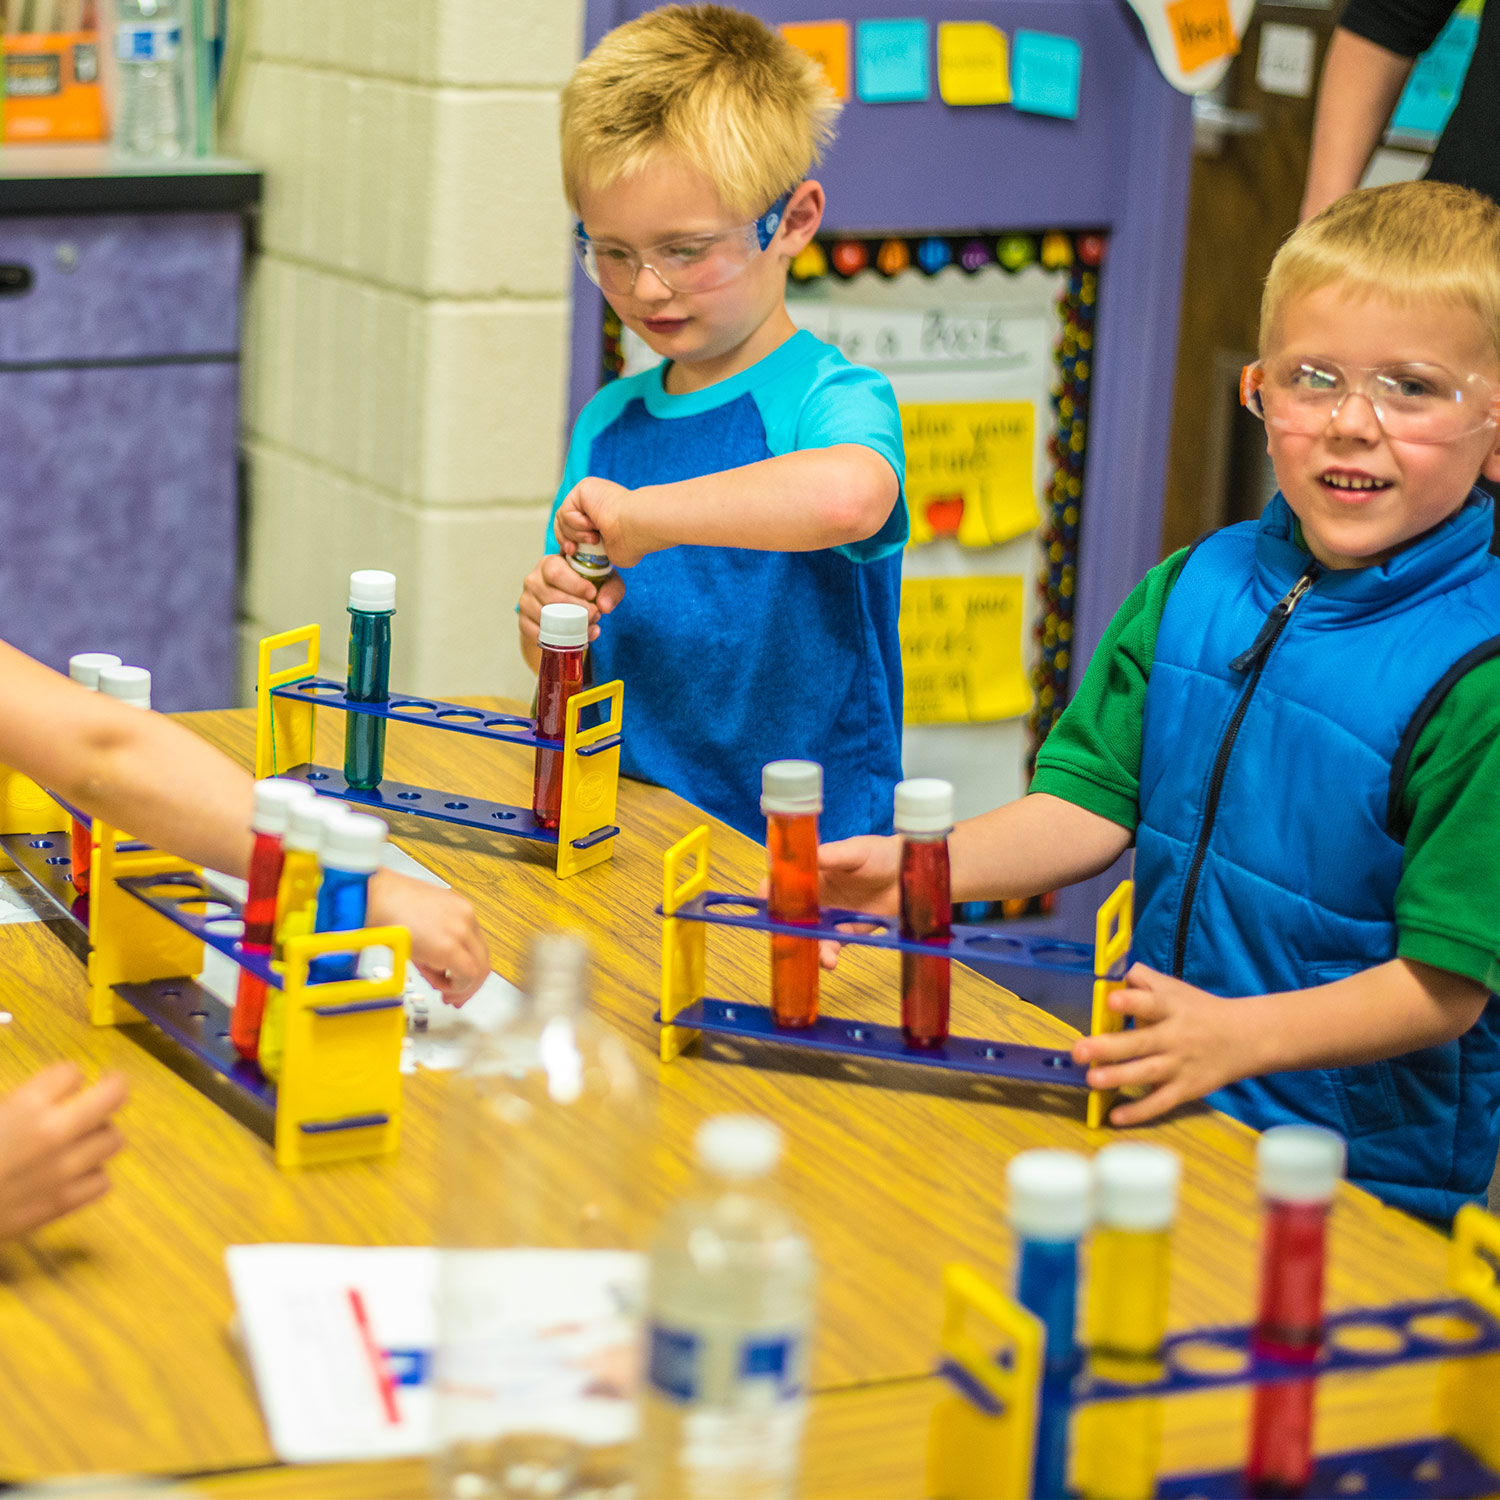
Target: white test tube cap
{"points": [[564, 625], [85, 668], [372, 590], [351, 841], [304, 827], [130, 685], [924, 805], [1051, 1194], [1299, 1164], [738, 1147], [1137, 1186], [274, 799], [791, 786]]}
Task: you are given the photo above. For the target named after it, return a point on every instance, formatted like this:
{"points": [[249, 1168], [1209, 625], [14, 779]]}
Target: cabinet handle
{"points": [[15, 280]]}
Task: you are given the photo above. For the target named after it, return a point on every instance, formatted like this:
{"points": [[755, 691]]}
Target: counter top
{"points": [[95, 179]]}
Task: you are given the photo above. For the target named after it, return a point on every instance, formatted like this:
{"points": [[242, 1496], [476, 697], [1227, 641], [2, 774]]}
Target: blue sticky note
{"points": [[1044, 74], [891, 61], [1433, 87]]}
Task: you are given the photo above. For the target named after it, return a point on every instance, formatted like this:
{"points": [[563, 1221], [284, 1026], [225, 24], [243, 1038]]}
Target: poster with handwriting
{"points": [[961, 650], [969, 470]]}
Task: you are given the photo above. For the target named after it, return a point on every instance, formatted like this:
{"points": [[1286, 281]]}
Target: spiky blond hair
{"points": [[712, 86], [1409, 241]]}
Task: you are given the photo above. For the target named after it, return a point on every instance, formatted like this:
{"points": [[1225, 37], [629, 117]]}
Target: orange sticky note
{"points": [[1203, 31], [827, 42]]}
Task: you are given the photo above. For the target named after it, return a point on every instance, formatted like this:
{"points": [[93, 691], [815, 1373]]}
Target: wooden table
{"points": [[115, 1323]]}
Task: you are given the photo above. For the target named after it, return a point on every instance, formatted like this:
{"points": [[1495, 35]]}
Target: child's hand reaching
{"points": [[447, 946], [1185, 1043], [593, 515], [859, 874], [552, 581], [55, 1136]]}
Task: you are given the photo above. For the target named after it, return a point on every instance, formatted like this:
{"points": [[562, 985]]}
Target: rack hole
{"points": [[456, 806], [317, 775], [319, 689], [1429, 1471], [858, 1034], [1443, 1328], [412, 706], [461, 715], [198, 1015], [168, 889], [410, 796], [223, 1036], [502, 817], [226, 927], [992, 1054], [730, 1013], [1209, 1357], [58, 859], [1351, 1482], [171, 994], [41, 843], [1368, 1338], [1057, 1060]]}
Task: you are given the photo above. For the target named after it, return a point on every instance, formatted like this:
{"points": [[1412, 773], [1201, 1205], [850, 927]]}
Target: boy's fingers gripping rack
{"points": [[983, 1431], [143, 928], [286, 704], [689, 908]]}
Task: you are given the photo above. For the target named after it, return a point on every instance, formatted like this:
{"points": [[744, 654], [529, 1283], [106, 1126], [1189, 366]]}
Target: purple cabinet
{"points": [[119, 409]]}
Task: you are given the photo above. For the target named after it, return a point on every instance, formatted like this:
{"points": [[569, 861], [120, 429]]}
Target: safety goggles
{"points": [[1414, 403], [694, 263]]}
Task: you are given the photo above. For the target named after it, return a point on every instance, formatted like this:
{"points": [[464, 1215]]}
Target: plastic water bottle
{"points": [[729, 1305], [543, 1150], [152, 69]]}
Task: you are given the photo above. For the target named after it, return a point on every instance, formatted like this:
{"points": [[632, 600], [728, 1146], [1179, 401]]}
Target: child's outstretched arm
{"points": [[797, 502], [1186, 1043], [143, 772]]}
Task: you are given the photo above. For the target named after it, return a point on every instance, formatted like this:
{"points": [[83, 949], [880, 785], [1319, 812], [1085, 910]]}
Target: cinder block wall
{"points": [[408, 319]]}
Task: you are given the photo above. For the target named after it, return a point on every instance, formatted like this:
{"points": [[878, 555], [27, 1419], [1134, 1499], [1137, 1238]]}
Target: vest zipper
{"points": [[1253, 661]]}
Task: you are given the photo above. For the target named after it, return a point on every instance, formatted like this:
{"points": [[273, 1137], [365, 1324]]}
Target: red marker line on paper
{"points": [[378, 1365]]}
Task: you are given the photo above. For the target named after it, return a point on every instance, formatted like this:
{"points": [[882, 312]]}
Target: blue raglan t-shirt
{"points": [[731, 657]]}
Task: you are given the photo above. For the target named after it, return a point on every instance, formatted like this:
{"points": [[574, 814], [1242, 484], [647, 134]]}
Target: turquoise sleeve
{"points": [[603, 407]]}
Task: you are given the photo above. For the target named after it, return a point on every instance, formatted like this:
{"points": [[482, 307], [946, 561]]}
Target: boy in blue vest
{"points": [[748, 490], [1297, 723]]}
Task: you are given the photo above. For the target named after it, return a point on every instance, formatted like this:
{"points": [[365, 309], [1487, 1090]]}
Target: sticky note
{"points": [[891, 61], [961, 650], [826, 42], [1203, 32], [1433, 87], [1285, 62], [1044, 73], [973, 63], [970, 470]]}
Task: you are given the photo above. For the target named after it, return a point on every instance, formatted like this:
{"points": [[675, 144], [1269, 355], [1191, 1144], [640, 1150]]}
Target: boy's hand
{"points": [[1185, 1043], [859, 874], [552, 581], [447, 946], [594, 514], [55, 1136]]}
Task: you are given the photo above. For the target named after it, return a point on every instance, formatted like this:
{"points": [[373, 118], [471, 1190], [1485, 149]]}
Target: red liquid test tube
{"points": [[1299, 1168], [84, 669], [791, 797], [924, 819], [274, 800], [564, 639]]}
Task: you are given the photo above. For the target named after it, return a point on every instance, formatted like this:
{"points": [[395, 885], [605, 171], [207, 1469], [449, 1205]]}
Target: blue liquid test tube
{"points": [[350, 854], [1051, 1204], [372, 602]]}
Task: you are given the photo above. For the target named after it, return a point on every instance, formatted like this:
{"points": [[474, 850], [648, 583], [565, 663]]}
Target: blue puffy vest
{"points": [[1283, 704]]}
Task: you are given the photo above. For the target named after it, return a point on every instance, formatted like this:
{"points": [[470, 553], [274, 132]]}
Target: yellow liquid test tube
{"points": [[1130, 1259]]}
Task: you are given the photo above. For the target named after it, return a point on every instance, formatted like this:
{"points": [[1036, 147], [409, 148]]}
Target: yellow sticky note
{"points": [[961, 650], [970, 470], [828, 43], [973, 63], [1203, 31]]}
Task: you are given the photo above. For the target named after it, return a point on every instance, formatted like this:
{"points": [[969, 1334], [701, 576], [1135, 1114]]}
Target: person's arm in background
{"points": [[1361, 83]]}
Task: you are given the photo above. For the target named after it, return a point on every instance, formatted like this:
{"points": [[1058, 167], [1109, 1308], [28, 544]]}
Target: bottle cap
{"points": [[351, 841], [1050, 1194], [591, 565], [1299, 1164], [559, 973], [1137, 1186], [86, 666], [791, 786], [274, 800], [564, 625], [304, 827], [372, 590], [924, 805], [129, 684], [739, 1147]]}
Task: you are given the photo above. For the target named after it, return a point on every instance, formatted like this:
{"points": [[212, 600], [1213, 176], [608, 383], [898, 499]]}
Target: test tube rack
{"points": [[286, 702], [142, 931], [982, 1438], [689, 908]]}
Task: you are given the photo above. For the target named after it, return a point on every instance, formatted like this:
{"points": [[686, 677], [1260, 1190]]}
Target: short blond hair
{"points": [[1408, 241], [712, 86]]}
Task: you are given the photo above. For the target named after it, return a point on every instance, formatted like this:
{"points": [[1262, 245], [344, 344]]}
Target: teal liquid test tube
{"points": [[372, 602]]}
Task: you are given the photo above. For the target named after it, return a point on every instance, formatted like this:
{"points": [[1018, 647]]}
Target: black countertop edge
{"points": [[135, 192]]}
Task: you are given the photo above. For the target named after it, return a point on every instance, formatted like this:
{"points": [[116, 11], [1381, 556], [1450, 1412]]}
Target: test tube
{"points": [[1129, 1273], [297, 892], [564, 639], [1051, 1195], [791, 797], [924, 819], [372, 602], [274, 800], [1299, 1168], [84, 669]]}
